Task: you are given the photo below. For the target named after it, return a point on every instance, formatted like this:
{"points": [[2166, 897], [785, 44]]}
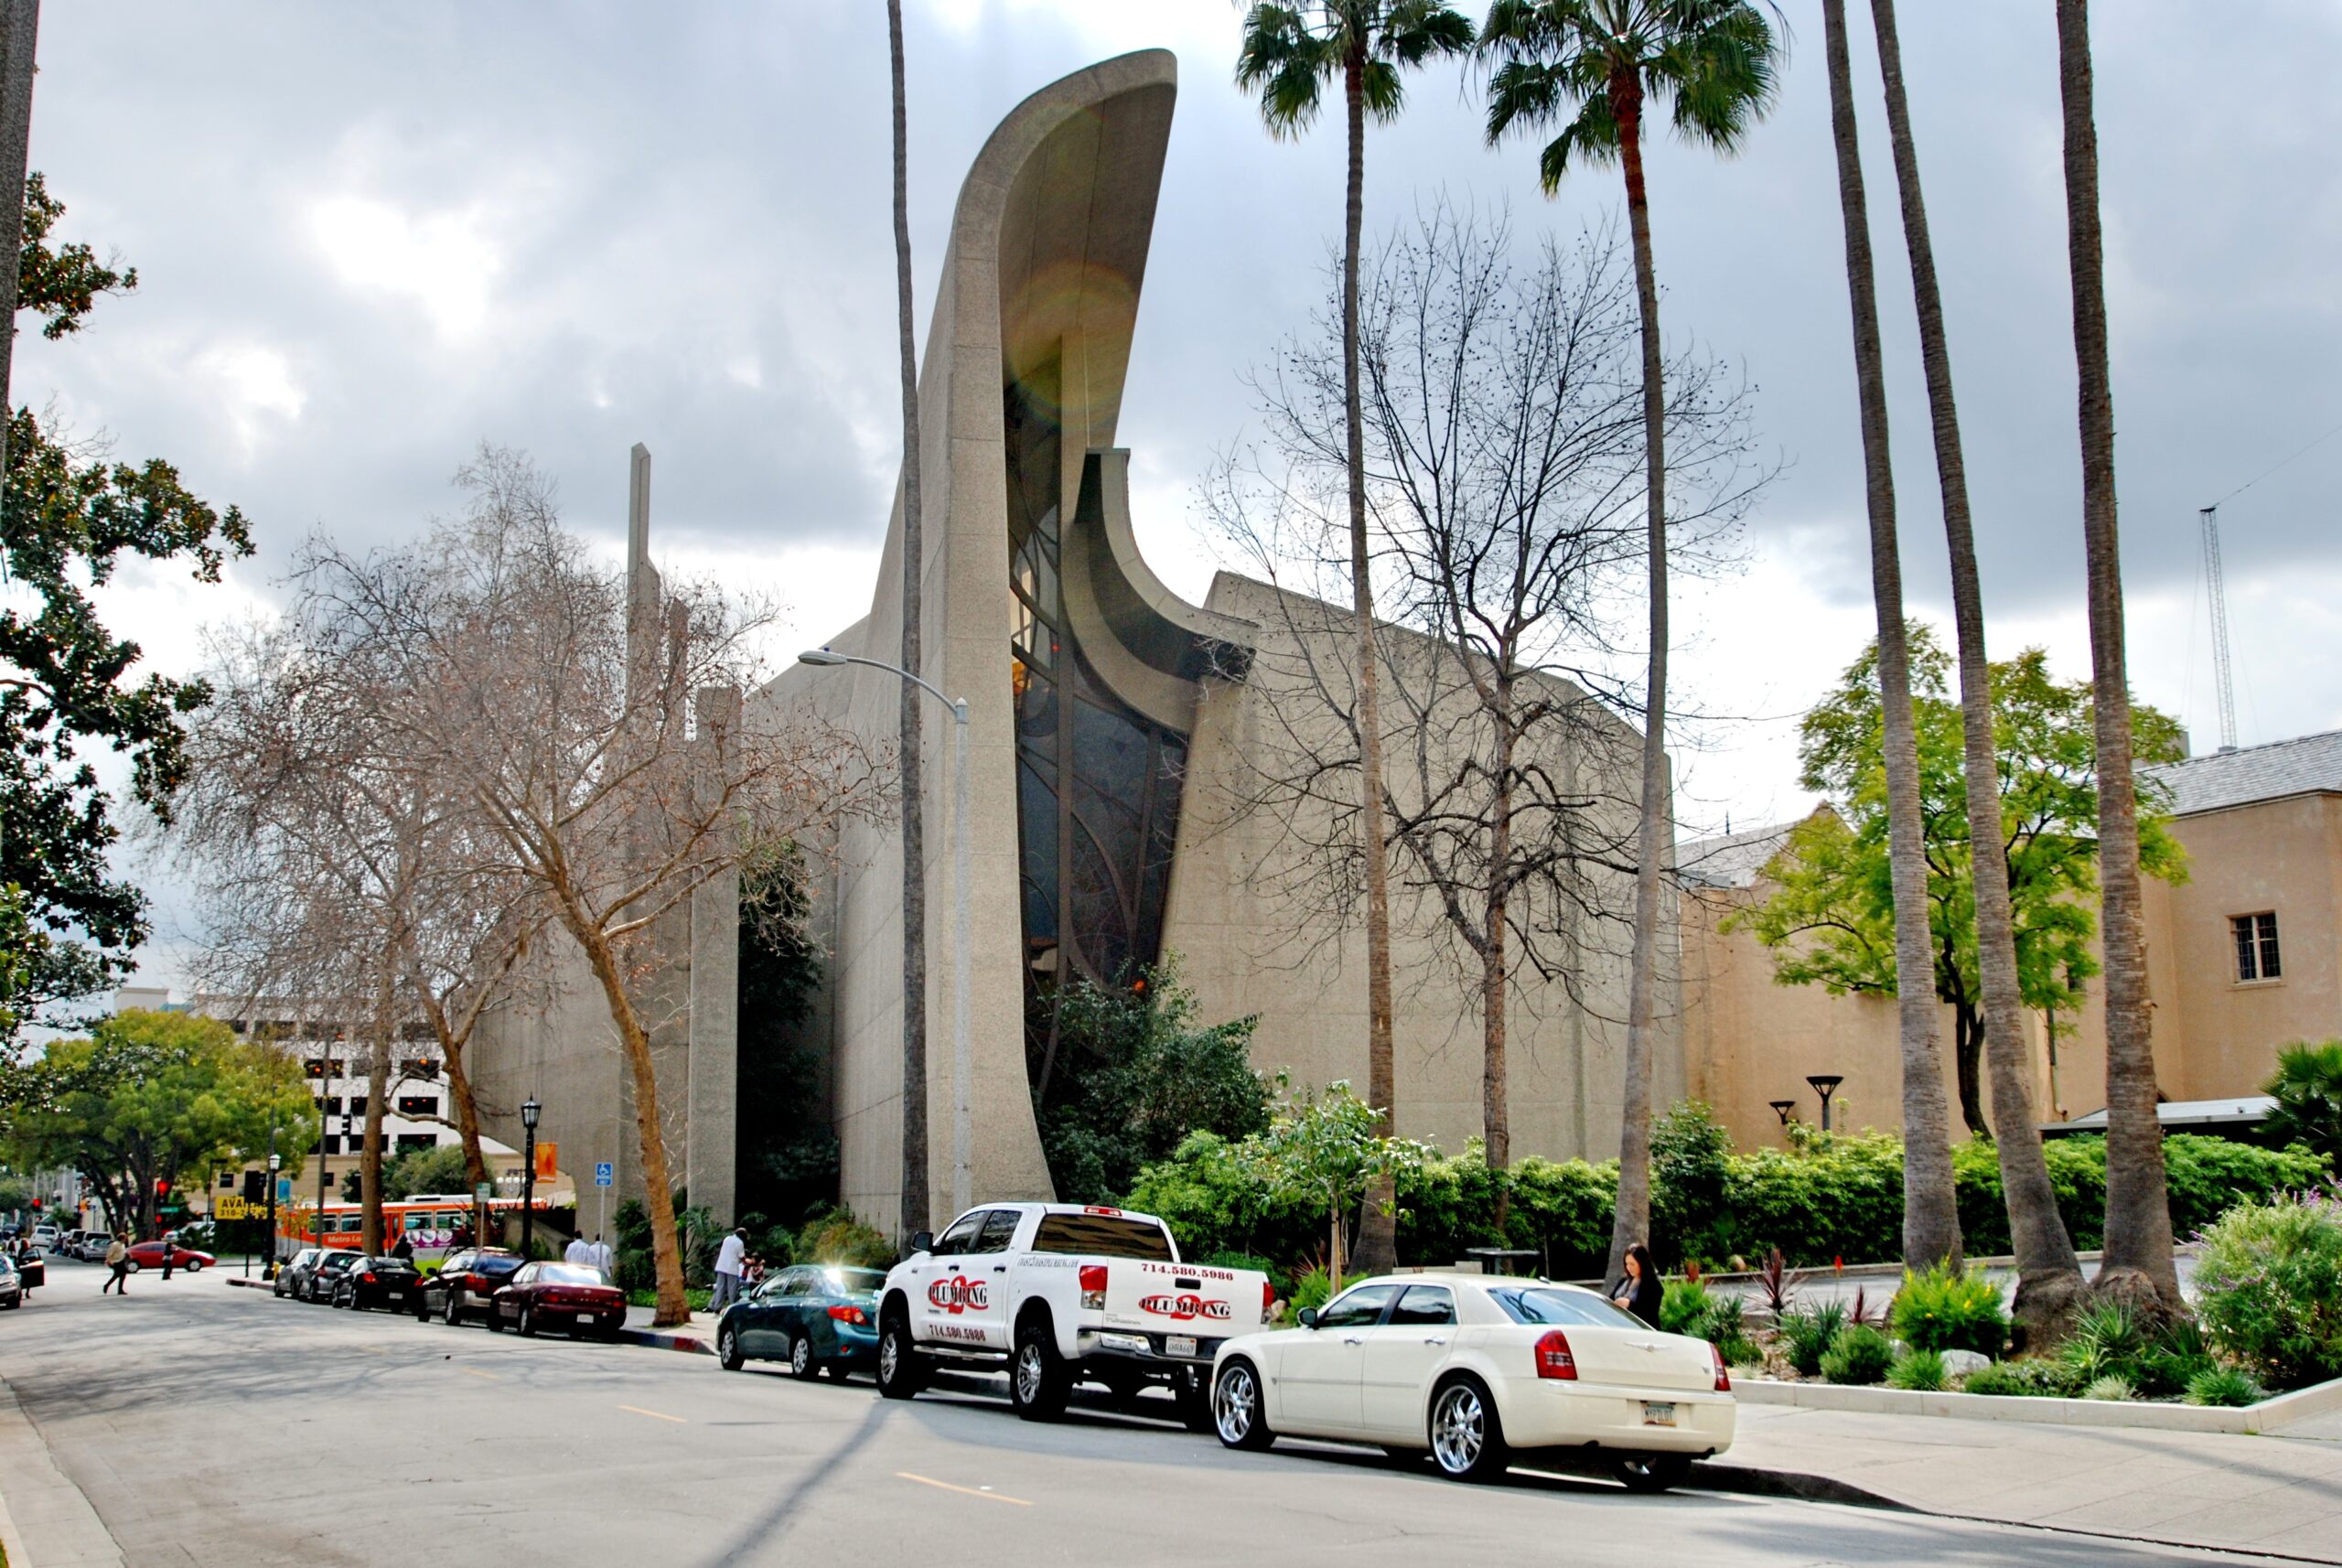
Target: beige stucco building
{"points": [[2243, 956], [1108, 724]]}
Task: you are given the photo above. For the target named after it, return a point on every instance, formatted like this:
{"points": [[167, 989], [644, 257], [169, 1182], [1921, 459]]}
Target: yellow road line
{"points": [[476, 1372], [654, 1414], [971, 1491]]}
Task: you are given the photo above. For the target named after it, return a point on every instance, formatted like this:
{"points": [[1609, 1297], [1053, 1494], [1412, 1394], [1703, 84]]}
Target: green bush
{"points": [[1246, 1261], [2178, 1357], [2114, 1387], [1808, 1332], [1690, 1169], [835, 1236], [2223, 1386], [1920, 1371], [1859, 1355], [2269, 1287], [1312, 1287], [2309, 1090], [2108, 1341], [1684, 1307], [1942, 1309], [2039, 1379]]}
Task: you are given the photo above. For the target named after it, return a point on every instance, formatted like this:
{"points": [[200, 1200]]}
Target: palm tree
{"points": [[2138, 1264], [1594, 63], [913, 1217], [1290, 53], [1931, 1208], [2049, 1279]]}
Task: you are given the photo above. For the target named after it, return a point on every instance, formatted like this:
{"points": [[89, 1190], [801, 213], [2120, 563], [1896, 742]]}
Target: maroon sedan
{"points": [[558, 1296], [149, 1255]]}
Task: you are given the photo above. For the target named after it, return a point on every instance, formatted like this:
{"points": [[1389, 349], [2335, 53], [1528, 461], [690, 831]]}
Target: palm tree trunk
{"points": [[913, 1215], [2050, 1276], [1632, 1221], [2138, 1264], [1931, 1212], [1377, 1239]]}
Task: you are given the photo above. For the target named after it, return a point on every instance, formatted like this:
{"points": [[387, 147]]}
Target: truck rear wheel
{"points": [[900, 1372], [1038, 1379]]}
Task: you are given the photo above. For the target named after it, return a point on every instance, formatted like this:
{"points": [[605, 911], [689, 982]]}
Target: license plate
{"points": [[1658, 1415], [397, 1295], [1178, 1344]]}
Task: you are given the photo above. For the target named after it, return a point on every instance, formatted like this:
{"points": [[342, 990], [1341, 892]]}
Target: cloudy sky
{"points": [[370, 238]]}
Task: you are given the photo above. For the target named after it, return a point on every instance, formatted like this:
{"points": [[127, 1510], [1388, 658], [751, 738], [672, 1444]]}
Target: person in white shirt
{"points": [[599, 1254], [731, 1264], [579, 1250]]}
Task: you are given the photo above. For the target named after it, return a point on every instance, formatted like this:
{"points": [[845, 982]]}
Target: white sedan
{"points": [[1477, 1370]]}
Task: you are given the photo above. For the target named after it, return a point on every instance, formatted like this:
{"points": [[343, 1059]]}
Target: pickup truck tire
{"points": [[1237, 1413], [1038, 1380], [1191, 1397], [901, 1370]]}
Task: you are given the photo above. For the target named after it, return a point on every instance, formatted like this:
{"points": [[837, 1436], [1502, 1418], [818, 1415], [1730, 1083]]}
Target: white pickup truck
{"points": [[1056, 1293]]}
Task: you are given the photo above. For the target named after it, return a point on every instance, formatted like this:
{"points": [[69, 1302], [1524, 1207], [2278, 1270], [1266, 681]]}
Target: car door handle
{"points": [[1000, 1268], [1434, 1338], [1353, 1340]]}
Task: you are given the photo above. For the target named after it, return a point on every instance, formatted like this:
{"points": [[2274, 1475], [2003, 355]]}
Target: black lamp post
{"points": [[1781, 1108], [529, 1112], [275, 1162], [1826, 1084]]}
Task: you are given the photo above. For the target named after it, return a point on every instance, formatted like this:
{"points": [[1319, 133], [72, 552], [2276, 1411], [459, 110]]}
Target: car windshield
{"points": [[495, 1266], [566, 1274], [855, 1281], [1103, 1236], [1581, 1309]]}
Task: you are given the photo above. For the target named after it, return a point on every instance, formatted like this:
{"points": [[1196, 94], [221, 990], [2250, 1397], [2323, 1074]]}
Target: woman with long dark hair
{"points": [[1637, 1289]]}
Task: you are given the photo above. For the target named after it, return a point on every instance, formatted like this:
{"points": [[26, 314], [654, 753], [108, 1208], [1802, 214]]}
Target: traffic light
{"points": [[256, 1187]]}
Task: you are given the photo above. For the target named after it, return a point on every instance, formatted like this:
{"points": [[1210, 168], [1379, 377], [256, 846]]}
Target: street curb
{"points": [[251, 1284], [665, 1340], [2271, 1414], [1793, 1484]]}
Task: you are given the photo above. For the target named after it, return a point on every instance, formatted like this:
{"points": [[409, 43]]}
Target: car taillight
{"points": [[1553, 1357], [367, 1278], [1724, 1377], [1093, 1287], [848, 1315]]}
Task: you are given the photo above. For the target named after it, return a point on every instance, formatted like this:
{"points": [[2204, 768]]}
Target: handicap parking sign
{"points": [[602, 1172]]}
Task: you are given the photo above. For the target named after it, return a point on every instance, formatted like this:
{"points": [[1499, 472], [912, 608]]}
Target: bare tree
{"points": [[1503, 444], [607, 793]]}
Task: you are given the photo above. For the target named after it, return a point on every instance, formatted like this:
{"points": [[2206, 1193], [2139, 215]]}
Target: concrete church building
{"points": [[1079, 665]]}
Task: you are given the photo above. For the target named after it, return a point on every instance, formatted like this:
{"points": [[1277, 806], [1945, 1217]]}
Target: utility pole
{"points": [[2216, 590], [19, 38]]}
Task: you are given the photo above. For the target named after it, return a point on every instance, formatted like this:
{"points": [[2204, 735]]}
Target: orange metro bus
{"points": [[428, 1221]]}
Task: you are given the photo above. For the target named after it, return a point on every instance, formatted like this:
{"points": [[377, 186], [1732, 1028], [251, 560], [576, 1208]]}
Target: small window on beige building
{"points": [[2256, 946]]}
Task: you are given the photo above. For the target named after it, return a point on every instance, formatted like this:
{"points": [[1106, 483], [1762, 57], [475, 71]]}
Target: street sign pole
{"points": [[604, 1173]]}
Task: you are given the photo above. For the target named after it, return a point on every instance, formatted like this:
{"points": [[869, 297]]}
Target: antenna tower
{"points": [[2216, 591]]}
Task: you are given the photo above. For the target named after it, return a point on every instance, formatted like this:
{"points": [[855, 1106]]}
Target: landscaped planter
{"points": [[2279, 1411]]}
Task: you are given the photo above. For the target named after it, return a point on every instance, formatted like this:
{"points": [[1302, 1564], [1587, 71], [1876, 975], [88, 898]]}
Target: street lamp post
{"points": [[1781, 1108], [529, 1112], [963, 1068], [1825, 1084], [275, 1162]]}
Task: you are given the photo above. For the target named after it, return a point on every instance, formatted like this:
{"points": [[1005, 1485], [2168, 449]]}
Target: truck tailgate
{"points": [[1184, 1298]]}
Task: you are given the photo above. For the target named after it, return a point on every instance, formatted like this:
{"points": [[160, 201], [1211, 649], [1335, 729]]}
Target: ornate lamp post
{"points": [[529, 1112], [1825, 1084], [276, 1163]]}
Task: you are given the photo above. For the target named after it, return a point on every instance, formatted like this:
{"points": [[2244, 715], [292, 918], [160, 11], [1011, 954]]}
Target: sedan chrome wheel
{"points": [[1236, 1407], [1465, 1435]]}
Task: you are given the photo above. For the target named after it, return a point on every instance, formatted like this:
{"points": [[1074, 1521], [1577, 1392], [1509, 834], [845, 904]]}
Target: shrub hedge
{"points": [[1842, 1199]]}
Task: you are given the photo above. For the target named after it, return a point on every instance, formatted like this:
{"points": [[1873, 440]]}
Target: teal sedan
{"points": [[816, 1317]]}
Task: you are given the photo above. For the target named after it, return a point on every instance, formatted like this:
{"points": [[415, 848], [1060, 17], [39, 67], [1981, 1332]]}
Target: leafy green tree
{"points": [[1831, 920], [1290, 54], [154, 1099], [1328, 1150], [1145, 1074], [2309, 1087], [67, 519], [1594, 66], [440, 1168], [789, 1148]]}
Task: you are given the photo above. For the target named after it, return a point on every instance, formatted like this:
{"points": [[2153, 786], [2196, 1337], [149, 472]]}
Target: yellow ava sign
{"points": [[231, 1206]]}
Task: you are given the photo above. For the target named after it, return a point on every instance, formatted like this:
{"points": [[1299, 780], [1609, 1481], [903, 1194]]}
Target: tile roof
{"points": [[2307, 765], [1736, 860]]}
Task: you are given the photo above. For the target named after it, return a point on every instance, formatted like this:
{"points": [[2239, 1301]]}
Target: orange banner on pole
{"points": [[547, 1167]]}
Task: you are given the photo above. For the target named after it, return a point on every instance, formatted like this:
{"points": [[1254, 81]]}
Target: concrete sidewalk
{"points": [[2277, 1495], [699, 1333]]}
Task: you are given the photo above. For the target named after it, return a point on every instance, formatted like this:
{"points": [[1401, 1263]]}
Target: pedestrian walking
{"points": [[118, 1260], [170, 1245], [405, 1248], [604, 1259], [1639, 1290], [731, 1264], [579, 1250]]}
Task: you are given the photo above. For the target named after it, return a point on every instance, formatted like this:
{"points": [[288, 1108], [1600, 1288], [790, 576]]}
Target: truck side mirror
{"points": [[923, 1241], [1309, 1318]]}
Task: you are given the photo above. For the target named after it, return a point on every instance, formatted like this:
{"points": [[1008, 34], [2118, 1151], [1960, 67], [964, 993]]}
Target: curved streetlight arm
{"points": [[824, 657]]}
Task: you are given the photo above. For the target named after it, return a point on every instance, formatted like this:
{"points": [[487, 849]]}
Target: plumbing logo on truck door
{"points": [[959, 1294]]}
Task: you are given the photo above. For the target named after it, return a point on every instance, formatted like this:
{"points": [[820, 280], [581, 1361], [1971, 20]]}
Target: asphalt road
{"points": [[213, 1425]]}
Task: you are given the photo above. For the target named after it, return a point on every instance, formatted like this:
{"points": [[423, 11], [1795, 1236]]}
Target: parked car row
{"points": [[1468, 1371], [486, 1283]]}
